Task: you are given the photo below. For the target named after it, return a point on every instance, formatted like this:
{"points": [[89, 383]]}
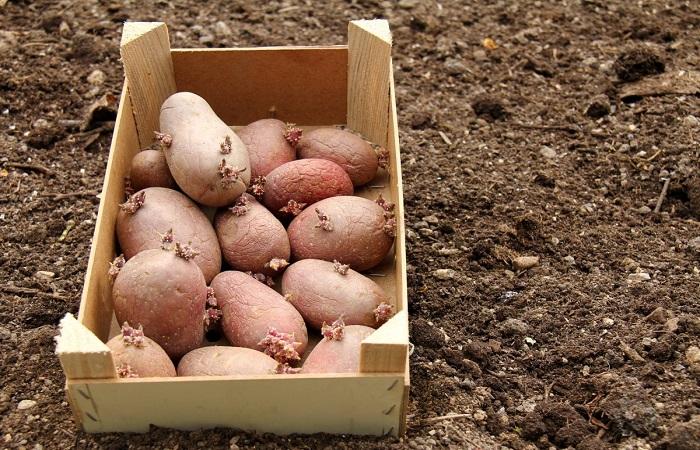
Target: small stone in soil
{"points": [[96, 77], [608, 322], [638, 276], [548, 152], [658, 315], [448, 251], [444, 274], [694, 244], [570, 260], [26, 404], [525, 262], [221, 29], [692, 354], [432, 219]]}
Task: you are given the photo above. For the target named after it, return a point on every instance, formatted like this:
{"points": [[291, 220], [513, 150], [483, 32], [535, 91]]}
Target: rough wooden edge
{"points": [[342, 403], [386, 349], [145, 52], [369, 60], [81, 353], [96, 303], [258, 49]]}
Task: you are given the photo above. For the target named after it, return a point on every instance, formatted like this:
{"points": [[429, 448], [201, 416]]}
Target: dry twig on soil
{"points": [[29, 291], [34, 167]]}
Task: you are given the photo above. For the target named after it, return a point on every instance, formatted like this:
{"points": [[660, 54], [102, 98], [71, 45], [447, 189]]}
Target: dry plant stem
{"points": [[65, 195], [662, 196], [29, 291], [33, 167], [447, 417]]}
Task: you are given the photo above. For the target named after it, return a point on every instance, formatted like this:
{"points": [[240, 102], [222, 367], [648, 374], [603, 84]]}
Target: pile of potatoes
{"points": [[255, 235]]}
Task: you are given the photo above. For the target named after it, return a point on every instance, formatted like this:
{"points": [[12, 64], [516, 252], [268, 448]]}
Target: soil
{"points": [[590, 348]]}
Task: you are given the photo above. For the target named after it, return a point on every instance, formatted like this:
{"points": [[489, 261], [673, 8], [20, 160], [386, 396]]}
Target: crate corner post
{"points": [[148, 65]]}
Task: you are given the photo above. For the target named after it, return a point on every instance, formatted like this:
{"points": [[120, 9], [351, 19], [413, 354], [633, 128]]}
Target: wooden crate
{"points": [[310, 86]]}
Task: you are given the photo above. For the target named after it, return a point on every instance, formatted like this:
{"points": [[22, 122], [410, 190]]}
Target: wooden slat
{"points": [[81, 353], [281, 404], [304, 85], [96, 301], [386, 349], [145, 51], [369, 59]]}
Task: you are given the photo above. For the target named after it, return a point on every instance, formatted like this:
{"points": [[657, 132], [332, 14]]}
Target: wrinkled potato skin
{"points": [[355, 155], [321, 294], [166, 295], [222, 360], [250, 308], [305, 181], [338, 356], [150, 169], [250, 241], [195, 152], [165, 209], [149, 360], [267, 147], [357, 238]]}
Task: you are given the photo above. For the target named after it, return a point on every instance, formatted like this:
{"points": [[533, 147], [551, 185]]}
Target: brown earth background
{"points": [[526, 145]]}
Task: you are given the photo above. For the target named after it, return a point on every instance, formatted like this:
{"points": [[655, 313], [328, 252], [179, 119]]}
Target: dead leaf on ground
{"points": [[680, 82]]}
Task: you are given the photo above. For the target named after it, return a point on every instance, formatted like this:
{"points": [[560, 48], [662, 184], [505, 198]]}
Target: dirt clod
{"points": [[489, 107], [638, 63]]}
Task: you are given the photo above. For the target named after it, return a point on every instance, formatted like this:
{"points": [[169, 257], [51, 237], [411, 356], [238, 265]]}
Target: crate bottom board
{"points": [[367, 404]]}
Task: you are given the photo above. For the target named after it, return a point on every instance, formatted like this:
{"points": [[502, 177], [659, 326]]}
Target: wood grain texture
{"points": [[81, 353], [386, 349], [145, 52], [96, 300], [369, 60], [281, 404], [303, 85]]}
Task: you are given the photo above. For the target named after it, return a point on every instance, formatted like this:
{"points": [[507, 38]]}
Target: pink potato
{"points": [[323, 291], [207, 159], [304, 182], [251, 238], [256, 316], [153, 211], [150, 169], [270, 143], [355, 155], [354, 230], [135, 355], [165, 292], [219, 360], [338, 353]]}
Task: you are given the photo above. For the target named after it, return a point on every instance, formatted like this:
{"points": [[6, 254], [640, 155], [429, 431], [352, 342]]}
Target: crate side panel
{"points": [[96, 301], [304, 85], [365, 405], [369, 61]]}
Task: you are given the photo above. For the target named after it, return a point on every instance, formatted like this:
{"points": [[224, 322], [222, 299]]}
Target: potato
{"points": [[251, 238], [354, 230], [156, 210], [255, 316], [270, 144], [149, 169], [135, 355], [304, 181], [207, 159], [339, 353], [221, 360], [355, 155], [322, 291], [165, 292]]}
